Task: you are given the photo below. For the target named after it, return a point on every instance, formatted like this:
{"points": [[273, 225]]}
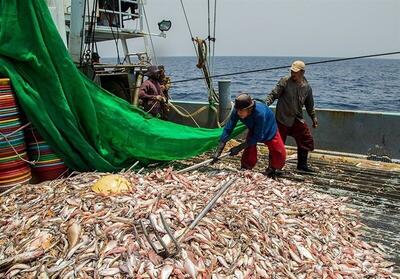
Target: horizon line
{"points": [[275, 56]]}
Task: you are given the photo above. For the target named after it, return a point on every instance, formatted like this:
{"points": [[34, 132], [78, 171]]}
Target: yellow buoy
{"points": [[112, 184]]}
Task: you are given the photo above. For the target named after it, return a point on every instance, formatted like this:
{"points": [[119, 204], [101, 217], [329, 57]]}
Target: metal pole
{"points": [[210, 204], [126, 51], [141, 27], [224, 91], [204, 163], [120, 14], [76, 34], [135, 95], [140, 9]]}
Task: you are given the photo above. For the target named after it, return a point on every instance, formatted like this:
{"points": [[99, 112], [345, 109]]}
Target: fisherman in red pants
{"points": [[260, 121], [293, 92]]}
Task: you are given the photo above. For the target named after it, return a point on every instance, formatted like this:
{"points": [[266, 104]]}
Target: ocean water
{"points": [[364, 84]]}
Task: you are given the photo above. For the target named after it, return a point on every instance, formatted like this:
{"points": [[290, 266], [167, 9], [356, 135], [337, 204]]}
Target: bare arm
{"points": [[309, 104]]}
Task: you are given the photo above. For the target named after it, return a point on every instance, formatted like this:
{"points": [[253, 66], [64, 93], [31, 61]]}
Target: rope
{"points": [[201, 54], [112, 31], [148, 111], [287, 66], [202, 59], [228, 116], [83, 32], [187, 115], [151, 38], [216, 114], [209, 33], [202, 50], [15, 151], [89, 39], [37, 146], [201, 109], [92, 25], [213, 50], [116, 39], [220, 124], [12, 133], [188, 25]]}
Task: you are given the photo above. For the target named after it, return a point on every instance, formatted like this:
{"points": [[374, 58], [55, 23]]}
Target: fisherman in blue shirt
{"points": [[262, 127]]}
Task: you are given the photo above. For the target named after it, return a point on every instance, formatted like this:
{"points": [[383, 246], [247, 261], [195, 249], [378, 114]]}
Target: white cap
{"points": [[298, 66]]}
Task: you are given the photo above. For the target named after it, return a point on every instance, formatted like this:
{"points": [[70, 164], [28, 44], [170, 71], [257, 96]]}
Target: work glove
{"points": [[218, 152], [235, 150]]}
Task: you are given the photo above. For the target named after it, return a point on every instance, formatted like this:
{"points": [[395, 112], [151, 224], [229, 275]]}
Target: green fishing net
{"points": [[88, 127]]}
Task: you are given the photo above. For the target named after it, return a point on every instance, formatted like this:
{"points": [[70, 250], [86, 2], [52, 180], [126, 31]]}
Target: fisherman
{"points": [[93, 72], [260, 121], [293, 92], [151, 96], [95, 58], [165, 86]]}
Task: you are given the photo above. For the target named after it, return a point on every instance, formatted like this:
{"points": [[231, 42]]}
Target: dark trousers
{"points": [[300, 132]]}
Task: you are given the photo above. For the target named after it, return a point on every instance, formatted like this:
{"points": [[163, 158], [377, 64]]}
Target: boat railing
{"points": [[122, 10], [109, 14]]}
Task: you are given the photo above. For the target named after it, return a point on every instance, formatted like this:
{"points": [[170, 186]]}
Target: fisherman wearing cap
{"points": [[293, 92], [95, 58], [260, 121], [151, 95]]}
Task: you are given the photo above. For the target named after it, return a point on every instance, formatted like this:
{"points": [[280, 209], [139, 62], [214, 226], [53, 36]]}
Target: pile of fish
{"points": [[260, 228]]}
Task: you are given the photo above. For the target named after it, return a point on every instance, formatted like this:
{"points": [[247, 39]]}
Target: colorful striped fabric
{"points": [[14, 169], [47, 164]]}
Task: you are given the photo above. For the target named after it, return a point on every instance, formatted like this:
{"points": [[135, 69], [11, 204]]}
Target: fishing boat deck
{"points": [[372, 187]]}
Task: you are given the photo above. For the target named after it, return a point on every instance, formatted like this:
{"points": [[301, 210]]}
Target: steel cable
{"points": [[288, 66]]}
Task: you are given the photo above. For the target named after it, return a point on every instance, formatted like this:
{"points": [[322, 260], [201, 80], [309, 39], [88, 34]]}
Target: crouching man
{"points": [[262, 127]]}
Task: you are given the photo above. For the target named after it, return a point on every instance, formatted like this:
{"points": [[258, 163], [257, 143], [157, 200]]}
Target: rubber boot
{"points": [[242, 167], [302, 157], [270, 172]]}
